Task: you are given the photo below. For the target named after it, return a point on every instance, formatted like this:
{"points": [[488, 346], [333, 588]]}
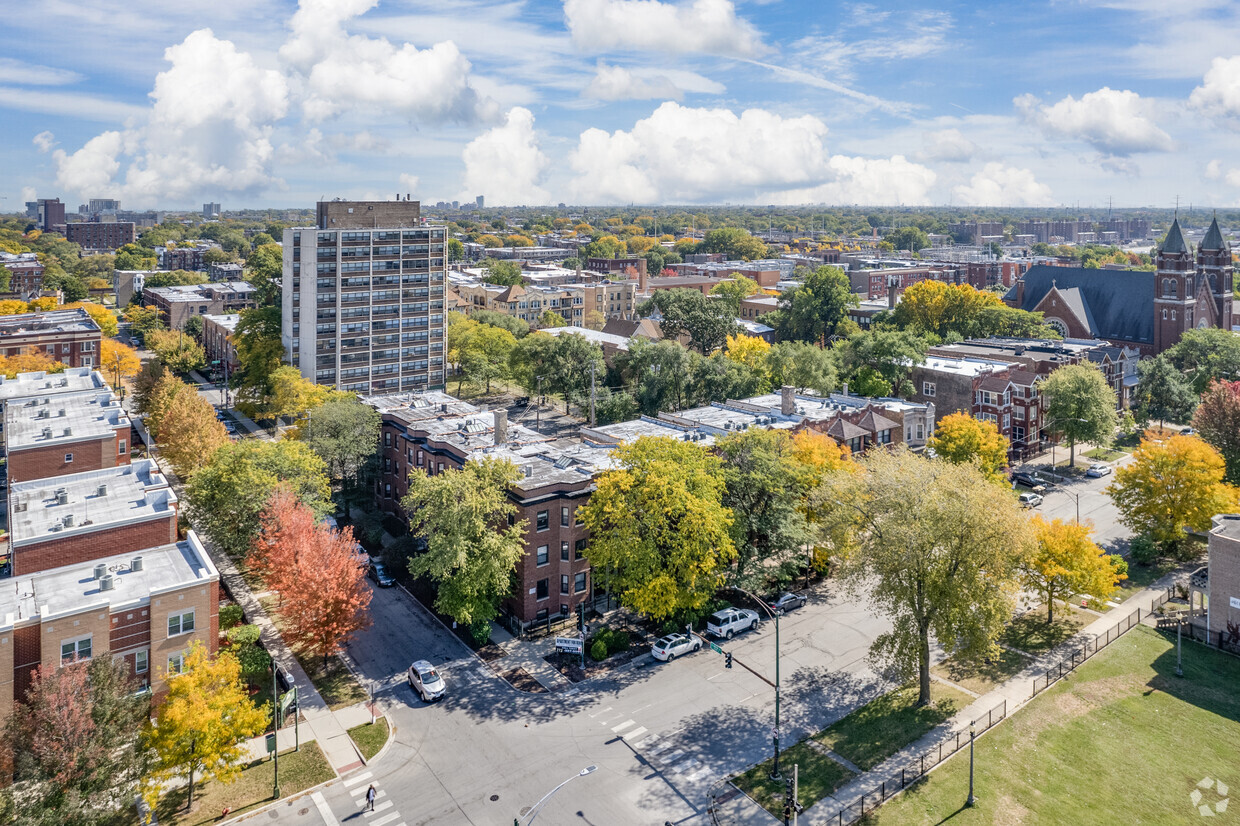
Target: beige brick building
{"points": [[614, 299]]}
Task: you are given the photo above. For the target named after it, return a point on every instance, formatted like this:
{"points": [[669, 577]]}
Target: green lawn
{"points": [[981, 677], [370, 737], [333, 681], [1101, 454], [1142, 576], [299, 770], [1030, 632], [1121, 741], [887, 724], [817, 777]]}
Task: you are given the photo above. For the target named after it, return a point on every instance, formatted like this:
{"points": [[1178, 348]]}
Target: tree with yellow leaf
{"points": [[200, 725], [962, 439], [1067, 562], [1171, 487], [34, 361], [751, 352], [11, 306], [105, 318], [118, 360], [43, 304], [184, 426], [292, 394]]}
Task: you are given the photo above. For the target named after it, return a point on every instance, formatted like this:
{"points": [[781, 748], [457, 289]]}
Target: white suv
{"points": [[728, 621]]}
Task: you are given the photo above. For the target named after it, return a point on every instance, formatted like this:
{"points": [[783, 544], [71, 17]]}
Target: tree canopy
{"points": [[814, 310], [960, 438], [1207, 354], [1163, 392], [706, 321], [1081, 405], [1066, 562], [735, 244], [1218, 421]]}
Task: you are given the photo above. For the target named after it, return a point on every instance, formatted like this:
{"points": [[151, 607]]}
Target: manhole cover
{"points": [[494, 798], [303, 811], [273, 814]]}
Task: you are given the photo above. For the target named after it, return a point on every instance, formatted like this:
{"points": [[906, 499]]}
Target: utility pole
{"points": [[538, 406], [275, 736], [593, 368]]}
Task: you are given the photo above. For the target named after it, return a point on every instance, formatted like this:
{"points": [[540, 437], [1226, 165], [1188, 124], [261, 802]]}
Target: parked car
{"points": [[379, 573], [135, 342], [788, 601], [1098, 470], [673, 645], [727, 622], [1030, 480], [426, 681], [1188, 431], [1030, 500], [284, 678]]}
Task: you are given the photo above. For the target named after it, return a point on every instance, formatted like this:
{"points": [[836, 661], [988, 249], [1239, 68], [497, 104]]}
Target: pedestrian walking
{"points": [[370, 798]]}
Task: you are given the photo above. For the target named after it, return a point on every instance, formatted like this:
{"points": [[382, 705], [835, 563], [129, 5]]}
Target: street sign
{"points": [[573, 645], [716, 648], [286, 699]]}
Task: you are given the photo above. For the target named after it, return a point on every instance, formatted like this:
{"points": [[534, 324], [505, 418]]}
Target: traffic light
{"points": [[727, 659]]}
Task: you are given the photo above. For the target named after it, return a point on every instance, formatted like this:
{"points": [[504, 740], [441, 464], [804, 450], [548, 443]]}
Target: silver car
{"points": [[673, 645], [726, 622], [1098, 470], [426, 681]]}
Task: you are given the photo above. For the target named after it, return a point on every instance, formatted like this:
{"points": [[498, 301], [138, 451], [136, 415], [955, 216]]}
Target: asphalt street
{"points": [[1095, 507]]}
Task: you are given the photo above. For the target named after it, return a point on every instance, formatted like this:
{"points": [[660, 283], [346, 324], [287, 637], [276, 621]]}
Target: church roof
{"points": [[1119, 302], [1175, 239], [1214, 238]]}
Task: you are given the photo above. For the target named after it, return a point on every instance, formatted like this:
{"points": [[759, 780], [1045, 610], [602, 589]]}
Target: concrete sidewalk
{"points": [[291, 735]]}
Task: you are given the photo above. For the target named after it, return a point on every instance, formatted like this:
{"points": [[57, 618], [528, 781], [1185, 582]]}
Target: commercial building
{"points": [[177, 305], [101, 235], [364, 297], [210, 212], [70, 337], [50, 213], [54, 435]]}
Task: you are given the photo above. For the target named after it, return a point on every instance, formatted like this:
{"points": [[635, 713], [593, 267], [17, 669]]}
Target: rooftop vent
{"points": [[100, 570], [67, 520], [45, 400], [62, 497], [60, 413], [102, 490], [107, 582], [68, 431], [136, 564]]}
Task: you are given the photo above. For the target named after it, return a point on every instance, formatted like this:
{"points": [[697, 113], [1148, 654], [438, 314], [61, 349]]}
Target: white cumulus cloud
{"points": [[29, 193], [505, 163], [621, 83], [1214, 169], [409, 183], [1219, 92], [707, 26], [882, 181], [44, 141], [946, 145], [999, 185], [1114, 122]]}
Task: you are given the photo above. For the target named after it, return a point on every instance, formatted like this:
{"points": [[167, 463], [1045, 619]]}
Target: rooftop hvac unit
{"points": [[60, 413], [68, 431], [64, 382], [45, 399], [68, 520], [136, 564], [100, 570], [47, 433], [62, 497], [107, 582], [102, 490], [42, 414]]}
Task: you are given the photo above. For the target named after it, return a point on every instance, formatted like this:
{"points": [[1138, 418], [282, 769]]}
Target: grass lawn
{"points": [[1101, 454], [299, 770], [817, 777], [981, 676], [1141, 576], [887, 724], [370, 737], [1121, 741], [332, 680], [1030, 633]]}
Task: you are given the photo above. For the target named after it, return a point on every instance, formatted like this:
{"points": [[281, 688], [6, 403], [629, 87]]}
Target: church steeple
{"points": [[1214, 238], [1174, 242]]}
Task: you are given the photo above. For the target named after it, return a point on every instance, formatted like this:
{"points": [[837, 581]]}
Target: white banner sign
{"points": [[1235, 603], [573, 645]]}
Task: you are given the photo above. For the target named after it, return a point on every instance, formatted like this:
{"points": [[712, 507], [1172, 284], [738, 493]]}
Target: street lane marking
{"points": [[671, 758], [378, 808], [385, 819], [357, 779], [634, 734], [324, 810], [602, 711], [687, 764], [379, 793], [622, 726]]}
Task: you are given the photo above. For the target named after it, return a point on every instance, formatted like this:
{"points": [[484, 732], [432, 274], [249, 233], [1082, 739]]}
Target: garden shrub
{"points": [[598, 651], [243, 635], [231, 615]]}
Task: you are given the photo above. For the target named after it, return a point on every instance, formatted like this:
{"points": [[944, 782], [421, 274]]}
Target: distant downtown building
{"points": [[363, 297]]}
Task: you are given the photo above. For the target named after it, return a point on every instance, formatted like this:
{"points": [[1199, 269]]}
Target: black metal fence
{"points": [[1080, 655], [1223, 640]]}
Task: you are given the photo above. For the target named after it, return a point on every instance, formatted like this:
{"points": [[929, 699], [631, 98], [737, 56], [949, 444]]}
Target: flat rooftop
{"points": [[228, 321], [63, 419], [963, 366], [72, 380], [80, 503], [1227, 525], [73, 588], [52, 321], [199, 292], [595, 336]]}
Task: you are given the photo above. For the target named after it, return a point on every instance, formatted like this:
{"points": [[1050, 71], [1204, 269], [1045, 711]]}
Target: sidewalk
{"points": [[247, 424], [1016, 692]]}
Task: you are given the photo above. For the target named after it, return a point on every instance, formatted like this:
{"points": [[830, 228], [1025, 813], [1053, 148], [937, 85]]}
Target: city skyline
{"points": [[615, 101]]}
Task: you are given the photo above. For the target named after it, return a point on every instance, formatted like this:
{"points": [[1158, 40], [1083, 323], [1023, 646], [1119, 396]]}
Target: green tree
{"points": [[1162, 391], [814, 310], [177, 350], [550, 318], [717, 378], [6, 279], [707, 322], [264, 269], [456, 250], [259, 351], [484, 356], [615, 406], [802, 365], [563, 363], [225, 498], [762, 489], [735, 290], [143, 320], [344, 433], [658, 373], [200, 727], [471, 548], [261, 239], [519, 328], [1081, 405], [939, 546], [193, 327], [879, 362], [504, 273], [735, 244], [960, 438], [913, 239], [605, 246], [1218, 421], [659, 532], [1067, 562], [173, 278], [1207, 354]]}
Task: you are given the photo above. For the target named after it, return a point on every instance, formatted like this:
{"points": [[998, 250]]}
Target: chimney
{"points": [[501, 426], [845, 390], [893, 284], [641, 279], [787, 401], [1020, 292]]}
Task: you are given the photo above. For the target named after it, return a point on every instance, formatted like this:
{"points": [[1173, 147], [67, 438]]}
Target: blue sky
{"points": [[277, 103]]}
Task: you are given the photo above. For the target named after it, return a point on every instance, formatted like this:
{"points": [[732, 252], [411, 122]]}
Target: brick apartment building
{"points": [[25, 273], [987, 389], [57, 435], [1223, 584], [30, 387], [527, 302], [185, 255], [70, 337], [101, 235], [631, 267], [177, 305], [217, 344]]}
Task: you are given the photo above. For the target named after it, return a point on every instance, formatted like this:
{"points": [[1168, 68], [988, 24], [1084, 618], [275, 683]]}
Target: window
{"points": [[1007, 420], [1173, 315], [140, 662], [176, 663], [120, 447], [564, 552], [563, 583], [542, 589], [541, 615], [68, 458], [579, 549], [579, 582], [927, 388], [387, 490], [180, 623], [541, 558], [75, 650], [387, 438], [1164, 314], [542, 520], [563, 517], [419, 458], [441, 467]]}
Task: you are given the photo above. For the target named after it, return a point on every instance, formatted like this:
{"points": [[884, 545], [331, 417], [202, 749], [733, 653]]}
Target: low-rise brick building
{"points": [[217, 344], [70, 337], [25, 273], [55, 435], [101, 235], [1223, 611], [177, 305]]}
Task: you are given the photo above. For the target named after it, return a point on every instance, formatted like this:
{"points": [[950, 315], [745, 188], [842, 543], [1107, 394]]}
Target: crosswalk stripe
{"points": [[325, 811], [378, 808], [357, 779], [359, 790], [629, 736], [686, 765], [622, 726], [699, 774], [385, 819], [597, 713], [671, 758], [378, 795], [649, 741], [661, 747]]}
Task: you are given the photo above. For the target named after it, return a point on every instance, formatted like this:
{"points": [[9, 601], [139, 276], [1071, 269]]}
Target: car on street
{"points": [[728, 621], [1097, 470], [1188, 431], [379, 573], [788, 601], [135, 342], [673, 645], [1030, 500], [426, 681], [1030, 480]]}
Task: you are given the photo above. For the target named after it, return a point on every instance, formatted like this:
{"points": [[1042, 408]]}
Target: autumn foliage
{"points": [[318, 572]]}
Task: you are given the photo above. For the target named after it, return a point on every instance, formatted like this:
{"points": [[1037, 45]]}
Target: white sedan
{"points": [[1098, 470], [673, 645]]}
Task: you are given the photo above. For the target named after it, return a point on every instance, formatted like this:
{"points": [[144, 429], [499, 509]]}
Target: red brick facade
{"points": [[82, 548], [44, 462]]}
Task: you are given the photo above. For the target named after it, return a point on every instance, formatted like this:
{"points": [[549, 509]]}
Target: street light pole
{"points": [[275, 717], [972, 735], [537, 807], [775, 616]]}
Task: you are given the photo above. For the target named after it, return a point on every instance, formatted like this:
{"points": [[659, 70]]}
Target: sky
{"points": [[278, 103]]}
